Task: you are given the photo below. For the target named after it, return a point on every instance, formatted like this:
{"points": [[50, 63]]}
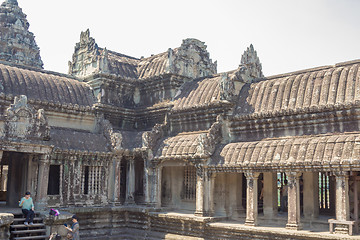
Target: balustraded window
{"points": [[91, 179], [324, 191], [189, 183]]}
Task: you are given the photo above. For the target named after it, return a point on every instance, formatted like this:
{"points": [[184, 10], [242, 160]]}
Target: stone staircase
{"points": [[19, 231]]}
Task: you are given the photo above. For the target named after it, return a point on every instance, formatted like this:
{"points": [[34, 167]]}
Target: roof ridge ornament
{"points": [[252, 62]]}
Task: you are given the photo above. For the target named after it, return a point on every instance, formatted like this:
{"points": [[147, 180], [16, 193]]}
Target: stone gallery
{"points": [[164, 147]]}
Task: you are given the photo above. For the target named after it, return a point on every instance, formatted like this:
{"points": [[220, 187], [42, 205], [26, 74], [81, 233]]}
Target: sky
{"points": [[288, 35]]}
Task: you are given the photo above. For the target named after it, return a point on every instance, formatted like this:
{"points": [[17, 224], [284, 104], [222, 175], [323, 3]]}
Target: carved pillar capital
{"points": [[251, 175], [339, 174], [293, 174]]}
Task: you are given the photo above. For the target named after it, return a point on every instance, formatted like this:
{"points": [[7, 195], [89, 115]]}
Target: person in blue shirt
{"points": [[27, 206], [74, 230]]}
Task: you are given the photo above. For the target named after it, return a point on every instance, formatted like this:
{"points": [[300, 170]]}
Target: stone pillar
{"points": [[311, 195], [342, 200], [251, 198], [210, 193], [270, 198], [2, 175], [147, 182], [5, 220], [114, 182], [42, 182], [200, 190], [158, 187], [130, 181], [293, 201], [235, 194]]}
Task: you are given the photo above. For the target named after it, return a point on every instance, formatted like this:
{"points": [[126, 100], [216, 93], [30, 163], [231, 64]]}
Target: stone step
{"points": [[28, 231], [32, 237], [29, 226], [23, 219], [20, 215]]}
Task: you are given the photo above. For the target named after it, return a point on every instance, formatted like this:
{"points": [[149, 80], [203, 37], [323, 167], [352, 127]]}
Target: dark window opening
{"points": [[54, 180], [123, 179], [86, 180]]}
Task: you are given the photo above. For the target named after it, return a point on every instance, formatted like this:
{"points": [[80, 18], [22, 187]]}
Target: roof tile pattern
{"points": [[296, 151], [75, 140], [198, 93], [313, 89], [122, 65], [181, 145], [43, 86], [153, 66]]}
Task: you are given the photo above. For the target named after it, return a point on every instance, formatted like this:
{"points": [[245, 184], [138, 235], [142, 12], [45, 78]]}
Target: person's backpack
{"points": [[54, 212]]}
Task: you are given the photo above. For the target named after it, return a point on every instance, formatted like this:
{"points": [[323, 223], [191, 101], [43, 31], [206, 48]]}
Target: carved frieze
{"points": [[24, 122]]}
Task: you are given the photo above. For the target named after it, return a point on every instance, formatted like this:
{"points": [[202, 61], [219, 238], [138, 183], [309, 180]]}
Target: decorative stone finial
{"points": [[252, 62], [191, 60]]}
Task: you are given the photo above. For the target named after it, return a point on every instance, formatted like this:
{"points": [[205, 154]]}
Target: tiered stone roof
{"points": [[17, 43], [44, 86], [319, 89], [198, 93], [320, 151], [183, 145], [190, 60]]}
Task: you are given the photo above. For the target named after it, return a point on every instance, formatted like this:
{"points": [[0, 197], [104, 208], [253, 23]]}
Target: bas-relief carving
{"points": [[23, 121]]}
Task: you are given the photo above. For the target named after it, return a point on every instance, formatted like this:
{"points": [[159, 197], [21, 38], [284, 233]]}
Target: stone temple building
{"points": [[164, 147]]}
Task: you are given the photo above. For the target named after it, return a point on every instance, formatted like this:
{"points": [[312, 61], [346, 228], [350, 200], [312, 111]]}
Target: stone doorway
{"points": [[15, 179]]}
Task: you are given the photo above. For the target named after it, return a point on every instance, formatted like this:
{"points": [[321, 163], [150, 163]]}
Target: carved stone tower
{"points": [[17, 43]]}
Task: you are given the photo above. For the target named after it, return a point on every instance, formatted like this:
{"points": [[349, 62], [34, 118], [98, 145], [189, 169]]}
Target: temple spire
{"points": [[14, 2], [17, 43]]}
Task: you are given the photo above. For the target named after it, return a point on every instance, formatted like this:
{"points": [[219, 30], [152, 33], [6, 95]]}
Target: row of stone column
{"points": [[205, 196]]}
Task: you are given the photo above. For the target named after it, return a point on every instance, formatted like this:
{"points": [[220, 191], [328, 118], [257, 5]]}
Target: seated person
{"points": [[27, 206]]}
